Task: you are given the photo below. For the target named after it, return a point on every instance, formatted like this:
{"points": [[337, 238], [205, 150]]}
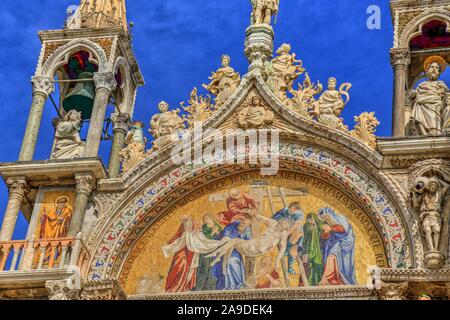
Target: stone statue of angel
{"points": [[68, 144], [283, 70]]}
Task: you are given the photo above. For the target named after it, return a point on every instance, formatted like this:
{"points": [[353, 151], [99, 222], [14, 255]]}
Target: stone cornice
{"points": [[51, 172], [322, 293], [415, 275], [414, 145]]}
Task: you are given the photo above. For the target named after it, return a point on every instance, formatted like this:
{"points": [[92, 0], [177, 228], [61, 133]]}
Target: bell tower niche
{"points": [[421, 51], [89, 72]]}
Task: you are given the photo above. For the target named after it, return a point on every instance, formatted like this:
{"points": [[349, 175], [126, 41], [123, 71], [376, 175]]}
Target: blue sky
{"points": [[179, 43]]}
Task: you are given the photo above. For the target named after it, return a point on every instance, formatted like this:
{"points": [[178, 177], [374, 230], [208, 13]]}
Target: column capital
{"points": [[43, 85], [121, 121], [392, 291], [86, 183], [400, 57], [105, 80], [18, 187]]}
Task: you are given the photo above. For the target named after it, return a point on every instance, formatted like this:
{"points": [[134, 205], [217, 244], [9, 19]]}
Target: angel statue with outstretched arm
{"points": [[263, 10]]}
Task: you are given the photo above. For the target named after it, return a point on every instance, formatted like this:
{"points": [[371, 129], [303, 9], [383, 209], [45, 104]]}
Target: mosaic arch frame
{"points": [[122, 231], [410, 31]]}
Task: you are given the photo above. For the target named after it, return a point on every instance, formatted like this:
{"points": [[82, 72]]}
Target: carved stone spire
{"points": [[99, 14]]}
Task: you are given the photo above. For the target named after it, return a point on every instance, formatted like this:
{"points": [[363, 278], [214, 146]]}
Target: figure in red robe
{"points": [[182, 277], [239, 206]]}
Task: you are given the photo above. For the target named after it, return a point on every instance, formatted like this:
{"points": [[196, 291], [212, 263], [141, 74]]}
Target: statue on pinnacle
{"points": [[263, 10]]}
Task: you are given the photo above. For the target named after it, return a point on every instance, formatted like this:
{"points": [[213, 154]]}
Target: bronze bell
{"points": [[81, 97]]}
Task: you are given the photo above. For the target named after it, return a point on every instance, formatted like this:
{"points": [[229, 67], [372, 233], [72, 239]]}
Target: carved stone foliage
{"points": [[199, 109], [304, 97], [103, 290], [42, 84], [255, 114], [85, 184], [121, 121], [400, 58], [366, 125], [134, 151], [392, 291], [60, 290], [105, 80], [18, 187]]}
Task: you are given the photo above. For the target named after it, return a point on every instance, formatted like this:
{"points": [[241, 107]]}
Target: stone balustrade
{"points": [[23, 255]]}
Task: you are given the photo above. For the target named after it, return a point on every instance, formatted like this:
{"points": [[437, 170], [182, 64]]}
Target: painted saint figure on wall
{"points": [[338, 245], [55, 222]]}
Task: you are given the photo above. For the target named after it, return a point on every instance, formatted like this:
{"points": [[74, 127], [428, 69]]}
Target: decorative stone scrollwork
{"points": [[400, 58], [304, 96], [200, 109], [105, 80], [43, 85], [120, 121], [134, 152], [59, 290], [85, 184], [366, 125], [255, 114], [103, 290], [259, 46], [392, 291], [18, 188], [223, 82], [164, 125]]}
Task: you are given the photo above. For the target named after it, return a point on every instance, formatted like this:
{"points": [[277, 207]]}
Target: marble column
{"points": [[105, 83], [42, 87], [120, 129], [85, 185], [18, 188], [400, 59]]}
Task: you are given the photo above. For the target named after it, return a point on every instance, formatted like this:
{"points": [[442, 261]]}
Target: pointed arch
{"points": [[63, 53], [414, 28]]}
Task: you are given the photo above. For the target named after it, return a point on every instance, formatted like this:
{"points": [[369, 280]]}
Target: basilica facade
{"points": [[258, 190]]}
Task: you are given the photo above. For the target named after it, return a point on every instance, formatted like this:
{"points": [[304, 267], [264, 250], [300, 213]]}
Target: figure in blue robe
{"points": [[293, 214], [232, 277], [338, 243]]}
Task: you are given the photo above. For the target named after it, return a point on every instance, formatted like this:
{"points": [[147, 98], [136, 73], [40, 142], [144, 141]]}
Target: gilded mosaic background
{"points": [[256, 234]]}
